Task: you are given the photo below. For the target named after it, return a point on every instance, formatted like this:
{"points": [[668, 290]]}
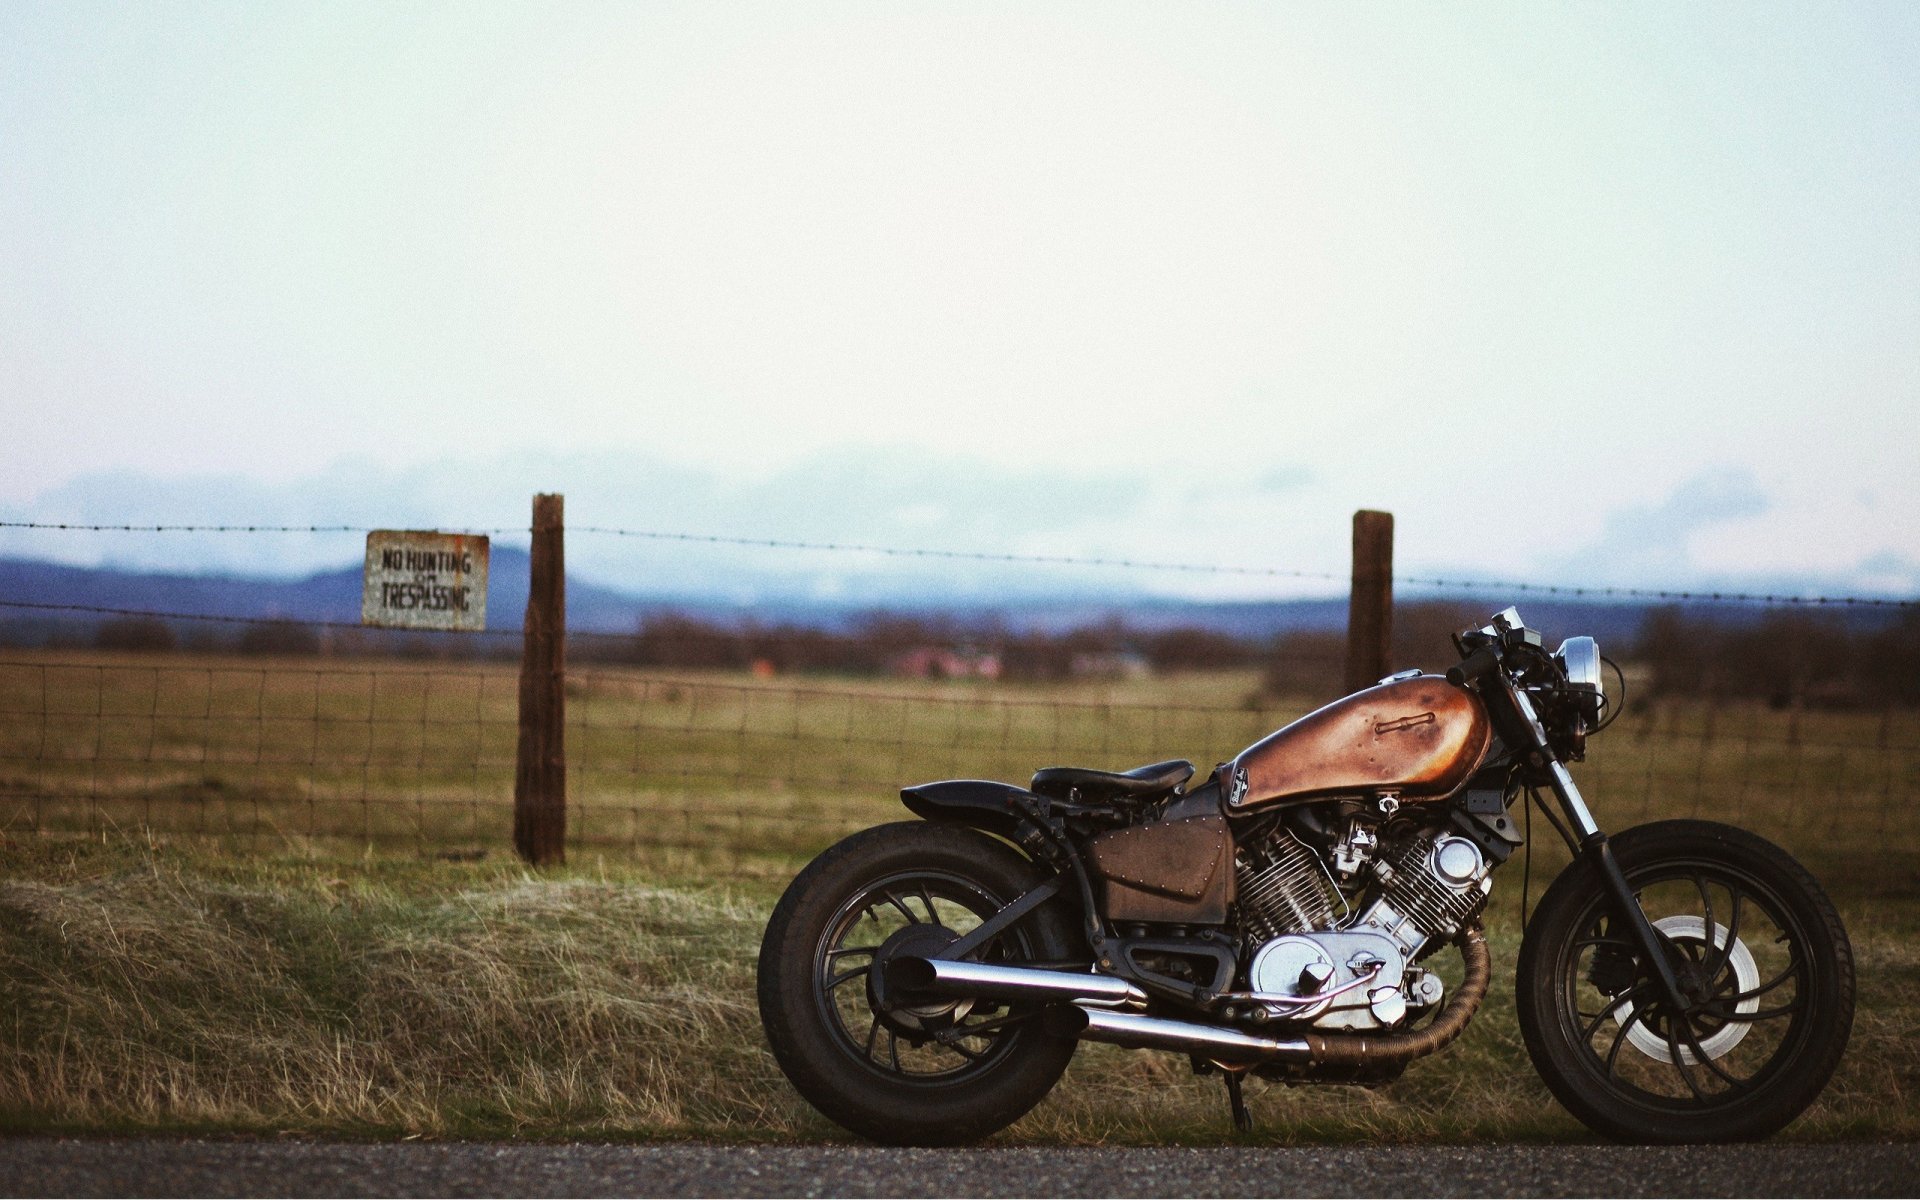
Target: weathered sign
{"points": [[418, 579]]}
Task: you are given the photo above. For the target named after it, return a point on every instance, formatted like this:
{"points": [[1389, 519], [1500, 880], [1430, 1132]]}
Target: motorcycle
{"points": [[926, 982]]}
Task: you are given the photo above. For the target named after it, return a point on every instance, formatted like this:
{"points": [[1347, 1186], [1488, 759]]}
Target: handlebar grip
{"points": [[1481, 662]]}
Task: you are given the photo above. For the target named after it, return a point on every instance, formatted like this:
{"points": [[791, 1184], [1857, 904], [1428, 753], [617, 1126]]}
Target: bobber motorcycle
{"points": [[926, 982]]}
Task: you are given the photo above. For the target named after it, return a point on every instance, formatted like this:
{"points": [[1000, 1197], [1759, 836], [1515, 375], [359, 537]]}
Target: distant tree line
{"points": [[1315, 663], [894, 644], [274, 636], [1820, 660], [1782, 657]]}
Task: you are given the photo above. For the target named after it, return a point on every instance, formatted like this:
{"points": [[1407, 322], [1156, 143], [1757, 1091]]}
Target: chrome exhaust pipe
{"points": [[1156, 1033], [949, 977]]}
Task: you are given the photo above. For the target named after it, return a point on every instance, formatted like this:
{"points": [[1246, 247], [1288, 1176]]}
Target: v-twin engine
{"points": [[1315, 961]]}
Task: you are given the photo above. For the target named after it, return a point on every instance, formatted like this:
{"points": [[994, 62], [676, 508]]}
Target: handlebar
{"points": [[1481, 662]]}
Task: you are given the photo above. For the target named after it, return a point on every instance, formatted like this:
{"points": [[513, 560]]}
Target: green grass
{"points": [[160, 988], [252, 895], [706, 776]]}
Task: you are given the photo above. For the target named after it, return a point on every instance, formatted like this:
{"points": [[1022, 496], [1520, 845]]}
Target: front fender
{"points": [[980, 803]]}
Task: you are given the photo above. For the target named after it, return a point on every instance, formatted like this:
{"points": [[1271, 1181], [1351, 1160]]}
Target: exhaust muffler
{"points": [[1157, 1033], [948, 977]]}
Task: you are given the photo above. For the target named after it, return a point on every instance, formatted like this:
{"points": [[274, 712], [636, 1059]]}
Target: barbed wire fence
{"points": [[729, 772]]}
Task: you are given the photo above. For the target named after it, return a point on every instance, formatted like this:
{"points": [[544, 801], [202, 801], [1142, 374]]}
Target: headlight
{"points": [[1579, 657]]}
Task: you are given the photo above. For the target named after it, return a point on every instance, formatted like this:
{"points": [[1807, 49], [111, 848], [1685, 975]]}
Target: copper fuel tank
{"points": [[1419, 737]]}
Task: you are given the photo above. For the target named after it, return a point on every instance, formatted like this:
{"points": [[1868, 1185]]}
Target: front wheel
{"points": [[1761, 958], [907, 1069]]}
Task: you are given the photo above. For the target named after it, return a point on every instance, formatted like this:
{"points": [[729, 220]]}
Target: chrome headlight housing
{"points": [[1579, 657]]}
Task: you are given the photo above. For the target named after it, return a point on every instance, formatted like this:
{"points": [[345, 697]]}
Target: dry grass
{"points": [[725, 776], [143, 988], [146, 988], [310, 985]]}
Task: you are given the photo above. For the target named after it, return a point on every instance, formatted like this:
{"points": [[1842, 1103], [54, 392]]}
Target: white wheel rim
{"points": [[1746, 977]]}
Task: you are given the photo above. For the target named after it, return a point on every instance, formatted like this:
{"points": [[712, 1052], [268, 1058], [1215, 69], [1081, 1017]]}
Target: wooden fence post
{"points": [[1370, 603], [540, 776]]}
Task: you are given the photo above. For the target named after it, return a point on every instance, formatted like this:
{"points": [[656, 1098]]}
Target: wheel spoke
{"points": [[1761, 1014], [893, 1048], [873, 1033], [906, 912], [1733, 935], [845, 950], [1679, 1064], [1701, 1057], [1711, 1064], [1706, 899], [1600, 1018], [1791, 969], [1620, 1037], [850, 973]]}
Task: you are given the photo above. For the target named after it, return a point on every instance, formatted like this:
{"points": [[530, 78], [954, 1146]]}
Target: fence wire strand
{"points": [[752, 768], [1478, 586]]}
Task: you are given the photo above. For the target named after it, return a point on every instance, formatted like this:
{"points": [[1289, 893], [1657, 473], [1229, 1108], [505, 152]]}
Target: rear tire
{"points": [[1755, 942], [889, 1068]]}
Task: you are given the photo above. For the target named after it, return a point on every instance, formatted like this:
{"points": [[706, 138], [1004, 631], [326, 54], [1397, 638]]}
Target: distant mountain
{"points": [[334, 596], [329, 596]]}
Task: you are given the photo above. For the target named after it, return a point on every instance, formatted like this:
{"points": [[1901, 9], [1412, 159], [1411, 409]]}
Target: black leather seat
{"points": [[1098, 787]]}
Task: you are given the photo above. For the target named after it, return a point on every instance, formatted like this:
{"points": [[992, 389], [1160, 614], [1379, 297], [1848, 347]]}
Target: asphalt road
{"points": [[35, 1166]]}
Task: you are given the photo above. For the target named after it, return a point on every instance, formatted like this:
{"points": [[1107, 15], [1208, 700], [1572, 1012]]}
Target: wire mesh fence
{"points": [[727, 775], [738, 751], [243, 751]]}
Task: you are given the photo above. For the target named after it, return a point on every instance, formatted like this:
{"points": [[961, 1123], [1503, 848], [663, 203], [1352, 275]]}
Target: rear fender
{"points": [[980, 803]]}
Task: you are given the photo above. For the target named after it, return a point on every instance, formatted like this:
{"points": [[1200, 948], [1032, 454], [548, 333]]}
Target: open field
{"points": [[710, 776], [254, 895], [181, 990]]}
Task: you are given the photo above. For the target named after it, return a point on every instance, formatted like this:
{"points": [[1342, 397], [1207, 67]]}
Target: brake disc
{"points": [[1746, 977]]}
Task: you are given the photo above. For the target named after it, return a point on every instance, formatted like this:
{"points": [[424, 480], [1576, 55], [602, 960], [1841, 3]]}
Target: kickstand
{"points": [[1242, 1119]]}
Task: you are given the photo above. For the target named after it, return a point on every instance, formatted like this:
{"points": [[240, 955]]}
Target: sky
{"points": [[1617, 294]]}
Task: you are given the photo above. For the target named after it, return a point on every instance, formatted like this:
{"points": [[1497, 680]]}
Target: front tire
{"points": [[1758, 949], [907, 1070]]}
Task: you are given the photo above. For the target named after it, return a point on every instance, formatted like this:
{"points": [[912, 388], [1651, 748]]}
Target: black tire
{"points": [[1757, 945], [887, 1069]]}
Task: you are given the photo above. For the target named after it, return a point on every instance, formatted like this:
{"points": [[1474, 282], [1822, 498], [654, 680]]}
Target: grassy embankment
{"points": [[167, 989]]}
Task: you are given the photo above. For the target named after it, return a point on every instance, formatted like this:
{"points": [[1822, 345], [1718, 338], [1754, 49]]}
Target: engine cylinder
{"points": [[1284, 889], [1434, 887]]}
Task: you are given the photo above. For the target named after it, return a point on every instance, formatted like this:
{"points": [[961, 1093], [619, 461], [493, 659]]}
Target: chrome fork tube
{"points": [[1571, 801], [1595, 848]]}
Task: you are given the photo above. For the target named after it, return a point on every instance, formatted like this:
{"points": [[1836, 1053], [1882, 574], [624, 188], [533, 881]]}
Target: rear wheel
{"points": [[1761, 958], [907, 1069]]}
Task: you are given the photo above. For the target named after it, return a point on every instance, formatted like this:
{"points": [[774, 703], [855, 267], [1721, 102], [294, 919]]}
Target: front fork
{"points": [[1595, 849]]}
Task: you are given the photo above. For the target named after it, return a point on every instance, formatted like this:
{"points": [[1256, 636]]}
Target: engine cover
{"points": [[1300, 966]]}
